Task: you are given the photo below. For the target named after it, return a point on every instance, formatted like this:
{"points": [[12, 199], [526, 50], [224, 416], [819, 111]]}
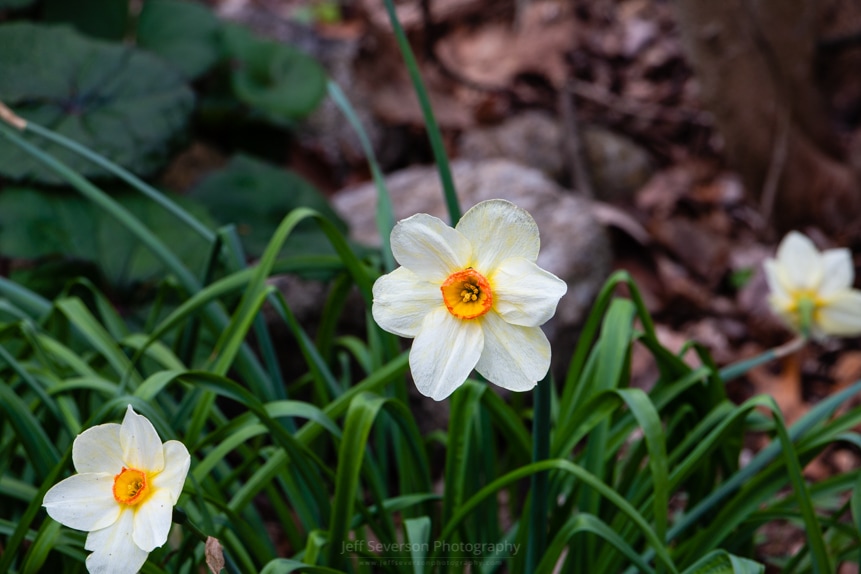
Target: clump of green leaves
{"points": [[134, 103], [125, 103], [327, 470]]}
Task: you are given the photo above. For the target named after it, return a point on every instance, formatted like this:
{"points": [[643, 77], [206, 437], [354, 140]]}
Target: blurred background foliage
{"points": [[136, 84], [129, 298]]}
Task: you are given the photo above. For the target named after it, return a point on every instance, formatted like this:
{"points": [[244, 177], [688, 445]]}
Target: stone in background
{"points": [[617, 166], [574, 246]]}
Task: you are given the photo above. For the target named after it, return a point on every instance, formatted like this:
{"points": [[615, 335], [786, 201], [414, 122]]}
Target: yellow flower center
{"points": [[806, 305], [467, 294], [130, 486]]}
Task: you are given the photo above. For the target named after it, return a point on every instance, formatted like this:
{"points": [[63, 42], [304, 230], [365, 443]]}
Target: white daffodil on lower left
{"points": [[124, 493]]}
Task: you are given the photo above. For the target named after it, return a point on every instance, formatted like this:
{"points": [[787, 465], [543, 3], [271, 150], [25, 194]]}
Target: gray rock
{"points": [[533, 139], [617, 166], [575, 246]]}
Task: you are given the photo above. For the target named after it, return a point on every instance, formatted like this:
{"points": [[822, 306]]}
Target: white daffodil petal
{"points": [[524, 294], [429, 248], [152, 521], [841, 315], [114, 550], [142, 448], [800, 261], [514, 357], [778, 282], [97, 449], [83, 501], [401, 301], [784, 308], [838, 272], [498, 229], [444, 353], [176, 464]]}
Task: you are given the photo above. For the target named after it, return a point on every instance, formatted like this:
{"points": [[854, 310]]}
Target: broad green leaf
{"points": [[14, 4], [255, 196], [37, 224], [185, 34], [105, 19], [124, 103], [277, 80]]}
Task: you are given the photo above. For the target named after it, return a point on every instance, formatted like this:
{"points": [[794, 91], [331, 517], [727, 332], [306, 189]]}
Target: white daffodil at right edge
{"points": [[124, 493], [472, 296], [812, 290]]}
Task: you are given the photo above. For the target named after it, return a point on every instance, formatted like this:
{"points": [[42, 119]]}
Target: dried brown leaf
{"points": [[214, 555]]}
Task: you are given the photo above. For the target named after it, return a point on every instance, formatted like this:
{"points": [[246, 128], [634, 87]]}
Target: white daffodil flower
{"points": [[124, 494], [812, 290], [472, 297]]}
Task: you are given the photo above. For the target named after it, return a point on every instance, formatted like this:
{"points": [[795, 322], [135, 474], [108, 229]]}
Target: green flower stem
{"points": [[181, 518], [432, 127], [385, 212], [537, 540], [806, 307], [734, 370]]}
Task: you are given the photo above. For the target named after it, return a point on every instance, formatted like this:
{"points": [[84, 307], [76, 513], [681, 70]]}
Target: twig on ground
{"points": [[776, 164], [11, 117], [578, 170]]}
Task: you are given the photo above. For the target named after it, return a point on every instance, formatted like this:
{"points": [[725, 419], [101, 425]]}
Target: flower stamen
{"points": [[467, 294], [130, 486]]}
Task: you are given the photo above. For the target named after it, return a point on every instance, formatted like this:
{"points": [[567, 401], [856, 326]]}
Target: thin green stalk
{"points": [[124, 175], [104, 201], [434, 134], [28, 301], [385, 214], [734, 370], [139, 230], [537, 540], [13, 543], [818, 552], [819, 412], [180, 516], [277, 390]]}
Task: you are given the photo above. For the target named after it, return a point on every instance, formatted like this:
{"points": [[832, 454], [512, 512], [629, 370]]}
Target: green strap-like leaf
{"points": [[418, 533], [722, 562], [361, 415], [587, 523]]}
